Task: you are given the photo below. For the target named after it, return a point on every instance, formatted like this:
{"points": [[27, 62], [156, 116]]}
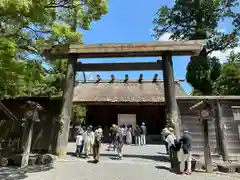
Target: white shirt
{"points": [[170, 140], [79, 140]]}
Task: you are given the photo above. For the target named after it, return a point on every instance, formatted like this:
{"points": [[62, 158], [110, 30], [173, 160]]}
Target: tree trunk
{"points": [[63, 134]]}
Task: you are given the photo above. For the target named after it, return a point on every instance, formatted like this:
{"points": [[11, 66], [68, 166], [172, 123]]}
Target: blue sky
{"points": [[130, 21]]}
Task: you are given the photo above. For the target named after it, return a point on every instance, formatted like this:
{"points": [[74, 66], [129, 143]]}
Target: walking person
{"points": [[129, 135], [137, 133], [143, 134], [185, 154], [79, 144], [88, 141], [119, 141], [97, 144]]}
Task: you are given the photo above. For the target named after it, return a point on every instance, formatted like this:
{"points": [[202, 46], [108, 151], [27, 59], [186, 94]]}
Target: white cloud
{"points": [[222, 56], [165, 37]]}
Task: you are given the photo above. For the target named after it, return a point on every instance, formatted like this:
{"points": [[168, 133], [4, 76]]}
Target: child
{"points": [[79, 144]]}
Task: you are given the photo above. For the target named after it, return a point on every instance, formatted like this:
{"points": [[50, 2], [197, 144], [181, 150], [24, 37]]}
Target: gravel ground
{"points": [[139, 163]]}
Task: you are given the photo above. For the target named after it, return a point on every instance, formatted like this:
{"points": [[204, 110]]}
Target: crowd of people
{"points": [[181, 147], [89, 141]]}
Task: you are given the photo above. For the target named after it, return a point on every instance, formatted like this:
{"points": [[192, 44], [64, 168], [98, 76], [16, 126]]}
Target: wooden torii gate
{"points": [[153, 49]]}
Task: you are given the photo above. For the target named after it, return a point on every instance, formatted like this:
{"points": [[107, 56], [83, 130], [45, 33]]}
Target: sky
{"points": [[131, 21]]}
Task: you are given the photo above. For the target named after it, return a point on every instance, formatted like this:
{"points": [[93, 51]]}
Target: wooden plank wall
{"points": [[231, 125], [190, 122]]}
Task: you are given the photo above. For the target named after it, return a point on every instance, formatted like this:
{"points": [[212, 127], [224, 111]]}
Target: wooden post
{"points": [[66, 111], [207, 151], [221, 132], [27, 137], [172, 115]]}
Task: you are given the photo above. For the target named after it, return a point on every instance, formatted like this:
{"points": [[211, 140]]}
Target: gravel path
{"points": [[139, 163]]}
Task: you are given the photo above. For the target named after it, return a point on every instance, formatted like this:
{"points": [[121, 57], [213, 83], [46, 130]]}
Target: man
{"points": [[185, 154], [143, 134], [97, 144], [119, 141]]}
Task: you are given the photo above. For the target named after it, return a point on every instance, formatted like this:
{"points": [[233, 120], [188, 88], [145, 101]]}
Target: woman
{"points": [[88, 141], [129, 135]]}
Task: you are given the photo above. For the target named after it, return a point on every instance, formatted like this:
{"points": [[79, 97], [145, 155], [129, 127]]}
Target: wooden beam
{"points": [[150, 49], [138, 66], [129, 81]]}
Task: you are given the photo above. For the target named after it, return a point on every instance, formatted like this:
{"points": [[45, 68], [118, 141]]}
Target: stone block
{"points": [[44, 159], [228, 167], [3, 161]]}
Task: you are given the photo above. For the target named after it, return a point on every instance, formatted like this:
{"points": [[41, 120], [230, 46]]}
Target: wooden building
{"points": [[125, 103], [134, 103]]}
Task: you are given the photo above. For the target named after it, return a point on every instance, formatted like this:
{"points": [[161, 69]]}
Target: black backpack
{"points": [[177, 145]]}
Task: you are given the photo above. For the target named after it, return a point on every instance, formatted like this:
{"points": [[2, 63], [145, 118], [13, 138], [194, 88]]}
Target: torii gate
{"points": [[153, 49]]}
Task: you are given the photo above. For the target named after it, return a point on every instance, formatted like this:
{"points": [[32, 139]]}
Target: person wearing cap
{"points": [[185, 154], [143, 134]]}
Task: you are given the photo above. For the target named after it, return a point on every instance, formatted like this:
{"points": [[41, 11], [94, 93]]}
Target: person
{"points": [[79, 144], [185, 154], [124, 131], [119, 141], [143, 134], [170, 139], [129, 135], [164, 134], [137, 133], [111, 137], [88, 141], [97, 143]]}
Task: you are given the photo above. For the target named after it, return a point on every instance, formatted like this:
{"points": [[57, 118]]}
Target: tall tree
{"points": [[199, 19], [228, 82]]}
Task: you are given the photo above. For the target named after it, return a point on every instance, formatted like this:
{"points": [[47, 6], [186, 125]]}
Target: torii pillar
{"points": [[67, 104], [172, 114]]}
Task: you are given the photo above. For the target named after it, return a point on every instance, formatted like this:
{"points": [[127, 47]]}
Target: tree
{"points": [[198, 19], [228, 82], [28, 26]]}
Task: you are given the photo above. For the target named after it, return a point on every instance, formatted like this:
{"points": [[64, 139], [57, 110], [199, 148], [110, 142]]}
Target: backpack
{"points": [[98, 138], [119, 136], [177, 145]]}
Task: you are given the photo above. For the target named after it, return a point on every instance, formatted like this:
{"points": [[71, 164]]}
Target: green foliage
{"points": [[195, 19], [26, 27], [228, 82], [80, 113]]}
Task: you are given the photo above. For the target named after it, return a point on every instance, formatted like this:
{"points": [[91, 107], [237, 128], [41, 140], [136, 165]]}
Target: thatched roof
{"points": [[131, 92]]}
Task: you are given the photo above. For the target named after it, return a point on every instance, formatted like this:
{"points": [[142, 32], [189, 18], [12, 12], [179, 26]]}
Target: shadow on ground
{"points": [[147, 157], [21, 173]]}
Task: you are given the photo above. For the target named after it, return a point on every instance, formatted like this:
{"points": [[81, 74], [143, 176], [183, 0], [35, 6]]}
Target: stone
{"points": [[228, 167], [3, 161], [44, 159]]}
